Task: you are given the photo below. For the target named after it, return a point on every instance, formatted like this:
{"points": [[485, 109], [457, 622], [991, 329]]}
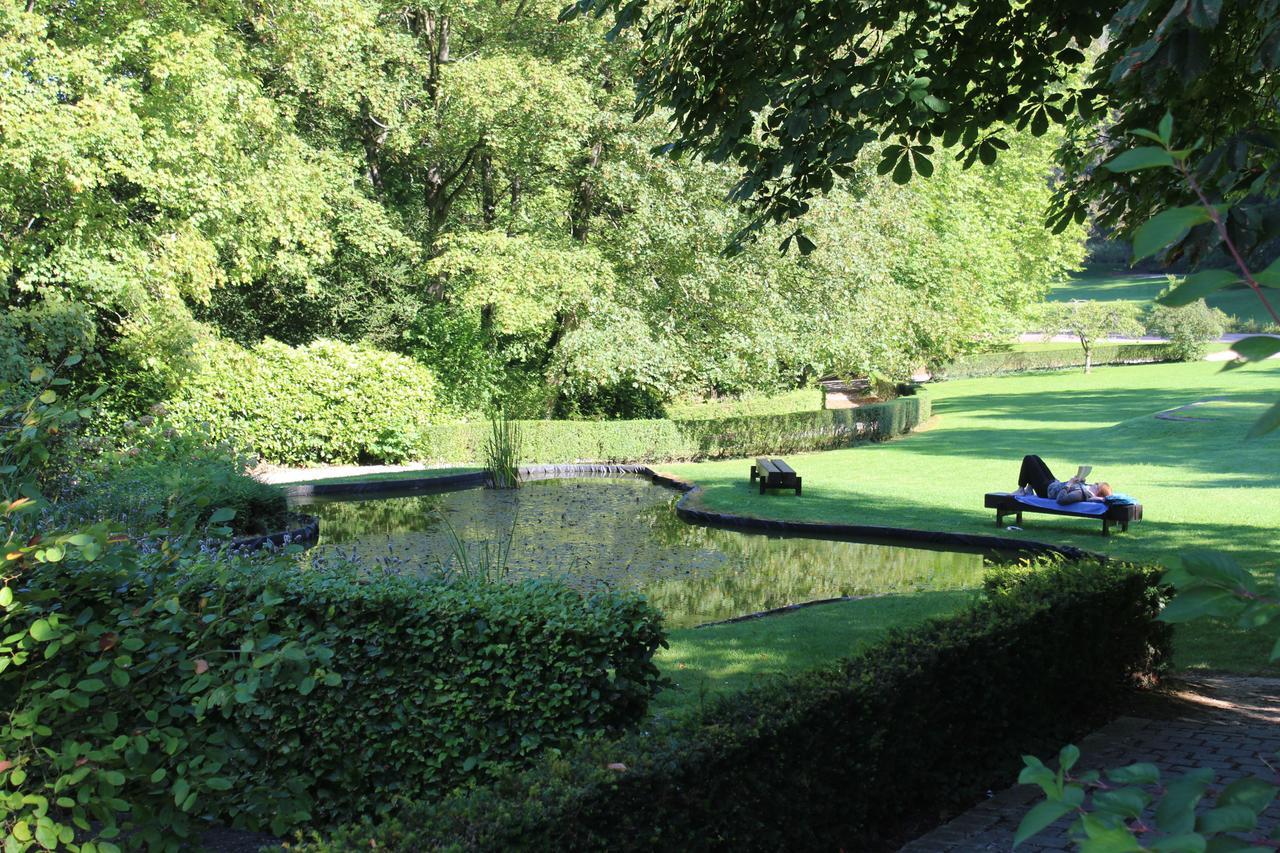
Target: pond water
{"points": [[623, 533]]}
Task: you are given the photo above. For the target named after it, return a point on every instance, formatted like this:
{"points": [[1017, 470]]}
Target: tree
{"points": [[1090, 322], [793, 93]]}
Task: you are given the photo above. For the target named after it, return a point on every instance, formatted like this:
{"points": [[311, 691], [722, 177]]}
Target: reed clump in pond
{"points": [[502, 452]]}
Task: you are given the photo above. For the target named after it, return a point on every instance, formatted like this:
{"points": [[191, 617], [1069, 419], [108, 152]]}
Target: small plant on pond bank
{"points": [[502, 452]]}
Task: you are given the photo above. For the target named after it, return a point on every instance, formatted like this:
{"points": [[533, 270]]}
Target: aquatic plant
{"points": [[502, 452]]}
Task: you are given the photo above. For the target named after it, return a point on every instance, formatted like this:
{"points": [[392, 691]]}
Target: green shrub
{"points": [[324, 402], [1189, 328], [704, 438], [832, 759], [1014, 361], [153, 476]]}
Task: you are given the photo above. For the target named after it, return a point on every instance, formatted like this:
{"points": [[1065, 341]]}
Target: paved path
{"points": [[1227, 723]]}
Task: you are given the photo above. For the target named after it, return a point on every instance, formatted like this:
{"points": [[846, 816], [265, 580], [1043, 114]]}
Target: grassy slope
{"points": [[729, 658], [1201, 485], [1142, 289]]}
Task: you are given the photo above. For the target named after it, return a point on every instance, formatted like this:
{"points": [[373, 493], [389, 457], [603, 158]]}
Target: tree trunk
{"points": [[488, 198], [584, 198]]}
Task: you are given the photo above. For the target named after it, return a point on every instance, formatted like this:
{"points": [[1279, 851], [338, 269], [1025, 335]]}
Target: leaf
{"points": [[1176, 813], [41, 631], [1135, 774], [1188, 843], [1166, 227], [1269, 277], [1195, 286], [1270, 420], [1041, 816], [1251, 792], [1256, 348], [1165, 128], [936, 104], [222, 514], [48, 396], [902, 172], [1126, 802], [1146, 157], [1198, 603], [1227, 819]]}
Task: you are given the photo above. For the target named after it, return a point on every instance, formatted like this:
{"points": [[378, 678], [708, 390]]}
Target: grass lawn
{"points": [[1142, 289], [1201, 484], [728, 658]]}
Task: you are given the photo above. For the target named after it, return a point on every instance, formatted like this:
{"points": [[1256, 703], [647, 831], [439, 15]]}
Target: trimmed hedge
{"points": [[275, 696], [995, 363], [836, 758], [553, 442], [443, 684]]}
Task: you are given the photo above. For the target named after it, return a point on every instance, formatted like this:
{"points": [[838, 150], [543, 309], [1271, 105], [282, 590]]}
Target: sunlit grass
{"points": [[1202, 485]]}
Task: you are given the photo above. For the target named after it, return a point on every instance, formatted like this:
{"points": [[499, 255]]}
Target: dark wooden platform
{"points": [[775, 474], [1004, 503]]}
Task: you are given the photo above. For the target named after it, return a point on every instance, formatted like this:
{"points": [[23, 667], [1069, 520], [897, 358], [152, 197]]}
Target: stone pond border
{"points": [[690, 514]]}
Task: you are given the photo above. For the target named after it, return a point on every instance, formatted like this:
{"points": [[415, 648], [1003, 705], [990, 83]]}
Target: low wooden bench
{"points": [[1004, 503], [774, 474]]}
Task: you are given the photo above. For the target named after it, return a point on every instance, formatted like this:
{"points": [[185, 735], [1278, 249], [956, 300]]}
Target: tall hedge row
{"points": [[554, 442], [836, 758], [995, 363]]}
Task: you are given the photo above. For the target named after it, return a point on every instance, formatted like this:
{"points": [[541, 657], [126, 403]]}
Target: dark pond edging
{"points": [[707, 517], [303, 530]]}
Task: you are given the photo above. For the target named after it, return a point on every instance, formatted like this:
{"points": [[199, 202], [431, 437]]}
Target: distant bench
{"points": [[1004, 503], [774, 474]]}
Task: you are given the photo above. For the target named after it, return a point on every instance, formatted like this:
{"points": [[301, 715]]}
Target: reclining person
{"points": [[1036, 478]]}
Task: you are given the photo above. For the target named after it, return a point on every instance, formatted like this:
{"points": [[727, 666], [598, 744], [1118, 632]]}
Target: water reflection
{"points": [[623, 533]]}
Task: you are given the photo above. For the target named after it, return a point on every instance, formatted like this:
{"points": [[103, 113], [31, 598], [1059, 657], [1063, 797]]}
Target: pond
{"points": [[623, 533]]}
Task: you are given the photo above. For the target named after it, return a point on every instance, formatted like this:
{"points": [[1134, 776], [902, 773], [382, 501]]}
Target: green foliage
{"points": [[797, 96], [154, 477], [704, 438], [325, 402], [1189, 328], [462, 184], [836, 757]]}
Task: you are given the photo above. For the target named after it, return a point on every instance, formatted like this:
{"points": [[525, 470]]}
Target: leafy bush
{"points": [[1013, 361], [836, 757], [703, 438], [1189, 328], [153, 476], [325, 402]]}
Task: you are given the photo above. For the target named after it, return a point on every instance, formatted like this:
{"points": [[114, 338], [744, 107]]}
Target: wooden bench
{"points": [[1004, 503], [774, 474]]}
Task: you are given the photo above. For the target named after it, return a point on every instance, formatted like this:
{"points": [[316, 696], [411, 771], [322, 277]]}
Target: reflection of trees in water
{"points": [[764, 572], [623, 533]]}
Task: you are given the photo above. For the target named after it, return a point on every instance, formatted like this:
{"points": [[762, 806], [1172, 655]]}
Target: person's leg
{"points": [[1035, 474]]}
